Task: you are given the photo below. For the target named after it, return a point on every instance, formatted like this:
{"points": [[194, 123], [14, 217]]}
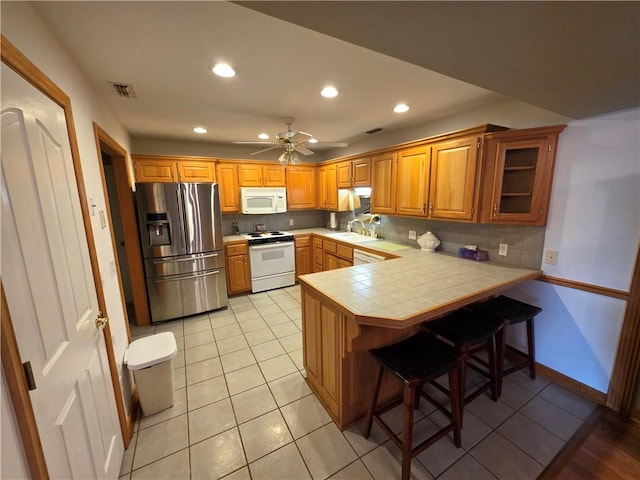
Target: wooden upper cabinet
{"points": [[301, 187], [328, 187], [354, 173], [227, 176], [173, 169], [412, 181], [518, 174], [152, 170], [452, 188], [383, 183], [344, 174], [361, 176], [260, 175], [196, 171]]}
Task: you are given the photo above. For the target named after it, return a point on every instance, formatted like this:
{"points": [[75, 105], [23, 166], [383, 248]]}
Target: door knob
{"points": [[101, 321]]}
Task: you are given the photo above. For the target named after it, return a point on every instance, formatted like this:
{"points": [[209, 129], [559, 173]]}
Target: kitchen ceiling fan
{"points": [[293, 142]]}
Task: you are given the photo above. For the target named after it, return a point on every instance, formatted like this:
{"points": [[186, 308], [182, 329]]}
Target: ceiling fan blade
{"points": [[265, 150], [256, 143], [299, 137], [302, 149]]}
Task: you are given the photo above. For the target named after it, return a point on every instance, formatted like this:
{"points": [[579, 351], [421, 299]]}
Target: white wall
{"points": [[22, 26], [594, 224]]}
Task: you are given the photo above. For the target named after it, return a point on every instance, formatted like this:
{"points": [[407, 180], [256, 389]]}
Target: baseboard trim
{"points": [[132, 416], [564, 381]]}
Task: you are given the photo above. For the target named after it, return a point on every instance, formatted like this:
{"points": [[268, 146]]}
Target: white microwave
{"points": [[263, 200]]}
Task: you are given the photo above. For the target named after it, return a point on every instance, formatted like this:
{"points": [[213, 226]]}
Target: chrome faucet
{"points": [[361, 223]]}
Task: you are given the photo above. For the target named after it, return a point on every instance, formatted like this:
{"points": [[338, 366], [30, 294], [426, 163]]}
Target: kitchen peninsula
{"points": [[347, 312]]}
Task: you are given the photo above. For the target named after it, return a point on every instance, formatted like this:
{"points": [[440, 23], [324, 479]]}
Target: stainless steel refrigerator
{"points": [[181, 236]]}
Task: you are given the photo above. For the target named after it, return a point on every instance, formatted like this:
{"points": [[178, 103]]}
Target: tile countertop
{"points": [[408, 290]]}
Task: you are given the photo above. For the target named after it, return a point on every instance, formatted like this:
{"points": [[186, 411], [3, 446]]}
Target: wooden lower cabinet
{"points": [[336, 255], [304, 262], [238, 269], [340, 369]]}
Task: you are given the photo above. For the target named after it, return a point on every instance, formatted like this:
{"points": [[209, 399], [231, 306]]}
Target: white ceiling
{"points": [[166, 51]]}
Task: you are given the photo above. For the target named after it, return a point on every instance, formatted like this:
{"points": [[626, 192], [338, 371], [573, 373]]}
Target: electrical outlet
{"points": [[551, 257], [503, 249], [291, 222], [412, 234]]}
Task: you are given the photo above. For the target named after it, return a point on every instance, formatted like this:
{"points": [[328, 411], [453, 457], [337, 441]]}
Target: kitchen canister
{"points": [[428, 242]]}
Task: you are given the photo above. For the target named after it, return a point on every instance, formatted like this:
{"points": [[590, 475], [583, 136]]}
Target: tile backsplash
{"points": [[275, 221], [525, 243]]}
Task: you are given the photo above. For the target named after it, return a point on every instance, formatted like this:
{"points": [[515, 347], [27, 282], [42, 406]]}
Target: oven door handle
{"points": [[185, 277], [269, 246]]}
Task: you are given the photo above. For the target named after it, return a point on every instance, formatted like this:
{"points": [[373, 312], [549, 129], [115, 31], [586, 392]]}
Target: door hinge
{"points": [[548, 148], [478, 144], [28, 376]]}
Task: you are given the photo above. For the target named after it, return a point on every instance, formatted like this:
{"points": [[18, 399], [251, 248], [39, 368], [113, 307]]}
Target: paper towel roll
{"points": [[333, 223]]}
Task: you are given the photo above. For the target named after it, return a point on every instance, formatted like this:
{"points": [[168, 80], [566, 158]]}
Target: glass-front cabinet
{"points": [[519, 169]]}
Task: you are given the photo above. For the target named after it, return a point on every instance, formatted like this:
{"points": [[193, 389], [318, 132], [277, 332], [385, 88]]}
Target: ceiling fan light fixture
{"points": [[263, 136], [401, 108], [329, 92], [312, 140], [289, 158], [224, 70]]}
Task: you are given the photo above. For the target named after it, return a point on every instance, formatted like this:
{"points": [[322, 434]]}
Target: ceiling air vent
{"points": [[373, 130], [123, 90]]}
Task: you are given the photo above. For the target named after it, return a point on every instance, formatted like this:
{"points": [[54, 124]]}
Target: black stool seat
{"points": [[464, 327], [510, 311], [471, 333], [415, 361], [417, 358]]}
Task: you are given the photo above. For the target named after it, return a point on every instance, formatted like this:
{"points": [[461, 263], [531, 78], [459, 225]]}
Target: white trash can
{"points": [[151, 361]]}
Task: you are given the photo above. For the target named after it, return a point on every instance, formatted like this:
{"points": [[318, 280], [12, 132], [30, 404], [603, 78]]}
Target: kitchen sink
{"points": [[352, 237]]}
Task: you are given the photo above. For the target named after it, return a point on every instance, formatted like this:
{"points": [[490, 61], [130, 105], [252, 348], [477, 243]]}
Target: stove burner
{"points": [[276, 233]]}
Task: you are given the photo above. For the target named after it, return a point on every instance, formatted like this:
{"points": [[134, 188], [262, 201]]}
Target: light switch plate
{"points": [[412, 234], [291, 222], [503, 249]]}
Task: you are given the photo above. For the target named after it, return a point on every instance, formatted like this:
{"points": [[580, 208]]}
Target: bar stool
{"points": [[510, 311], [472, 333], [415, 361]]}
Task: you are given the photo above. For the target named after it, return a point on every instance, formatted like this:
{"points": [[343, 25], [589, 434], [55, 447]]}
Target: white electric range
{"points": [[272, 260]]}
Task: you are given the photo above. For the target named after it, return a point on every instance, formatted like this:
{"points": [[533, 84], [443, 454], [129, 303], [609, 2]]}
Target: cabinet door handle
{"points": [[424, 208], [430, 209]]}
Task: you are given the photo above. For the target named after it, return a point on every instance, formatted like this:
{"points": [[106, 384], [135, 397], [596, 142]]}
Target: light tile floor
{"points": [[243, 410]]}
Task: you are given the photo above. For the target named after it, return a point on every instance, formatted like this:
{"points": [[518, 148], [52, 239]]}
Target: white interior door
{"points": [[50, 291]]}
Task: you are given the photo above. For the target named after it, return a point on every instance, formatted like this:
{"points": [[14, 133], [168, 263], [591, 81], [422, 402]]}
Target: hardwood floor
{"points": [[606, 447]]}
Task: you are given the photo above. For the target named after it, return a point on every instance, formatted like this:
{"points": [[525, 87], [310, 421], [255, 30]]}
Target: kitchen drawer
{"points": [[236, 249], [317, 242], [303, 241], [330, 246], [317, 267], [344, 252]]}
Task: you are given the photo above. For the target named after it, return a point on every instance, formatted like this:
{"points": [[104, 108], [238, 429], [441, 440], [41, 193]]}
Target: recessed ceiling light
{"points": [[200, 130], [329, 92], [263, 136], [401, 108], [224, 70], [312, 140]]}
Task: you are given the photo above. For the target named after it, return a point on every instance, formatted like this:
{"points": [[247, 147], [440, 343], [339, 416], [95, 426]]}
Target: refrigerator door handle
{"points": [[183, 224], [160, 262], [185, 277]]}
